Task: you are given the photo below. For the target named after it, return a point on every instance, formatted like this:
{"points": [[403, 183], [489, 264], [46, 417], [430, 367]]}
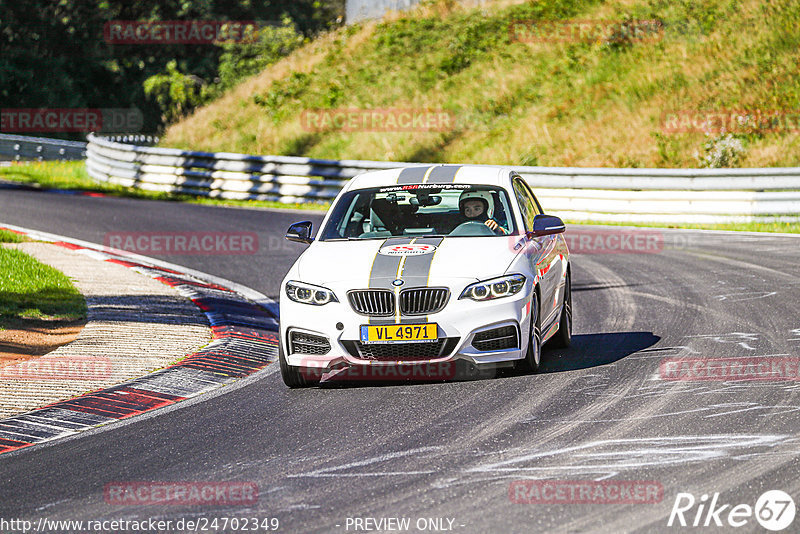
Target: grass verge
{"points": [[31, 290], [522, 87], [776, 227], [72, 175], [7, 236]]}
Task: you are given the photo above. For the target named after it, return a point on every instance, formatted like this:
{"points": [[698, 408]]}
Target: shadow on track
{"points": [[586, 351], [591, 350]]}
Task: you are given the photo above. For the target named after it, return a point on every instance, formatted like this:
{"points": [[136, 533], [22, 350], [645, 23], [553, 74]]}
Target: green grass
{"points": [[30, 289], [68, 175], [53, 174], [582, 103], [72, 175], [773, 227], [7, 236]]}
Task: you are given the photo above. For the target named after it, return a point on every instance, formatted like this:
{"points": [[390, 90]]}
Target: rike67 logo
{"points": [[774, 510]]}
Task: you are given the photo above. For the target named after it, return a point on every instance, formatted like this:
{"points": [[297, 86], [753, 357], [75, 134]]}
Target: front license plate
{"points": [[395, 333]]}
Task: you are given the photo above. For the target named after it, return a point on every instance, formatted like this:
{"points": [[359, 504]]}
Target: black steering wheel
{"points": [[472, 228]]}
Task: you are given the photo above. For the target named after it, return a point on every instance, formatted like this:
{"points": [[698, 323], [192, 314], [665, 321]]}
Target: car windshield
{"points": [[453, 210]]}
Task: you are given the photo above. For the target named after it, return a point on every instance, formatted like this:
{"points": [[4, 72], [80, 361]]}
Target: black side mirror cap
{"points": [[547, 225], [300, 232]]}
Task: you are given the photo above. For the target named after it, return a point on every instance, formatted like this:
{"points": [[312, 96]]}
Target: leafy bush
{"points": [[724, 150], [271, 43], [175, 93], [54, 54]]}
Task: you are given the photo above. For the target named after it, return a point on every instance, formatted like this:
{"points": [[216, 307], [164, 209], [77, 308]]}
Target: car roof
{"points": [[459, 174]]}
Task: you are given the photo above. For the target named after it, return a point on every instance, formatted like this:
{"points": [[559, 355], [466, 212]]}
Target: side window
{"points": [[527, 203], [535, 201], [345, 224], [521, 200]]}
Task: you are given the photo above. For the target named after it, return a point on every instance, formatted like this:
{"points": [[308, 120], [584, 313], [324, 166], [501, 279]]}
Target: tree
{"points": [[54, 55]]}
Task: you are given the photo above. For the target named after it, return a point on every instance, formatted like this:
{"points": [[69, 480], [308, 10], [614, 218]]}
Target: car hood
{"points": [[475, 258]]}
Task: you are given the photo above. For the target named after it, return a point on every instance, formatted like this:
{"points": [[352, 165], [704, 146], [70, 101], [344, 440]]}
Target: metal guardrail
{"points": [[222, 175], [597, 194], [358, 10], [21, 147]]}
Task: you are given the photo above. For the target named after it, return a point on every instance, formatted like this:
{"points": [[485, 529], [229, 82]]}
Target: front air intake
{"points": [[502, 338], [303, 343]]}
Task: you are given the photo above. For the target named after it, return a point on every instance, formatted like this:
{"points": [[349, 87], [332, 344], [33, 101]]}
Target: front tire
{"points": [[563, 338], [533, 355], [291, 375]]}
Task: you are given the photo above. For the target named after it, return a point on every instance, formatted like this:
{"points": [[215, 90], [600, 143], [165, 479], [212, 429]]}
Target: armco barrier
{"points": [[576, 193], [21, 147]]}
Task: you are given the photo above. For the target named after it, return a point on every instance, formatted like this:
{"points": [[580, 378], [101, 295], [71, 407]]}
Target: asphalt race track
{"points": [[601, 410]]}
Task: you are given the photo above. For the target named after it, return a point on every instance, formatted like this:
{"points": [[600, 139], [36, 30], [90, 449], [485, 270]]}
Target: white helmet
{"points": [[485, 196]]}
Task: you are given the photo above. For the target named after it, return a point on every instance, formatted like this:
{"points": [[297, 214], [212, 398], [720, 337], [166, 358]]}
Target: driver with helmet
{"points": [[478, 206]]}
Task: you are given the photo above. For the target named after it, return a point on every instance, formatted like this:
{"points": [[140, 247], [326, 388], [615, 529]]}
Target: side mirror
{"points": [[546, 225], [300, 232]]}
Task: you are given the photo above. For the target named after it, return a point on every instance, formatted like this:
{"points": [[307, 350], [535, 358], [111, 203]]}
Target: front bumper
{"points": [[459, 324]]}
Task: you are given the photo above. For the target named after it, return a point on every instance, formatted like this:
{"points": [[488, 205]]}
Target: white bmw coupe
{"points": [[423, 266]]}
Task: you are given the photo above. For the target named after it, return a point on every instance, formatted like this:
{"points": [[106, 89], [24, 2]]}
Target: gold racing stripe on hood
{"points": [[399, 275]]}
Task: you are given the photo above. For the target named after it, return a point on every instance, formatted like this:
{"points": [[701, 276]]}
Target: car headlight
{"points": [[496, 288], [309, 294]]}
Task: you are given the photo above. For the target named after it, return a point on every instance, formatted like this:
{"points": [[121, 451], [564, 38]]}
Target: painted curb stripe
{"points": [[225, 331], [10, 445], [70, 246], [125, 263], [182, 382], [173, 282], [244, 341]]}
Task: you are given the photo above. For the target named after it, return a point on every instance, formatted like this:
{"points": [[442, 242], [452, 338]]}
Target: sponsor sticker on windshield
{"points": [[413, 187], [407, 250]]}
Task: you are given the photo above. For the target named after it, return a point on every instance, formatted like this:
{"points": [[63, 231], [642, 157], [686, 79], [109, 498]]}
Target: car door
{"points": [[543, 253]]}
